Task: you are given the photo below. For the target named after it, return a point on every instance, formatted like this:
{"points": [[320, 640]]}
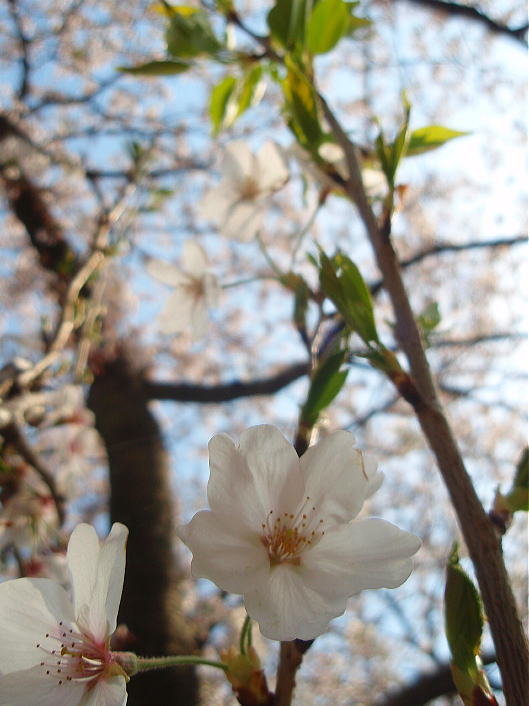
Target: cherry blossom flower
{"points": [[280, 530], [28, 518], [195, 290], [236, 206], [54, 652]]}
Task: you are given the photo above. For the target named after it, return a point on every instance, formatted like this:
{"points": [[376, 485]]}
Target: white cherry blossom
{"points": [[280, 530], [237, 204], [195, 290], [28, 518], [54, 652]]}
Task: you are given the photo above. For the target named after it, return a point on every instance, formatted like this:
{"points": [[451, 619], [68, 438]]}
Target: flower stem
{"points": [[274, 267], [146, 664]]}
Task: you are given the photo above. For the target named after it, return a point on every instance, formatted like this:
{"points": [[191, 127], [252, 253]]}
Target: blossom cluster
{"points": [[281, 531]]}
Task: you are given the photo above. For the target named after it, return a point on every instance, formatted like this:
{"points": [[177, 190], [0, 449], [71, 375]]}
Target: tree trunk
{"points": [[140, 497]]}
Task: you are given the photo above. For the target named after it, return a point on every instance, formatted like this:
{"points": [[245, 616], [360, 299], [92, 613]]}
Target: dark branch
{"points": [[442, 248], [427, 687], [24, 49], [454, 9], [184, 392]]}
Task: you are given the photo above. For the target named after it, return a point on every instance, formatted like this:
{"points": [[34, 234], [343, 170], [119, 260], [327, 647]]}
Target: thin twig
{"points": [[14, 435]]}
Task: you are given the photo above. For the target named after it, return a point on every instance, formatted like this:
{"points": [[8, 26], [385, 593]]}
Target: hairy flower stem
{"points": [[147, 664], [478, 532]]}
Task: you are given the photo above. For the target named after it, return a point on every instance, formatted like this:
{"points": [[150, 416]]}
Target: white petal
{"points": [[107, 692], [272, 171], [176, 316], [165, 272], [232, 490], [368, 553], [235, 561], [242, 220], [286, 608], [97, 577], [194, 258], [274, 465], [83, 558], [111, 573], [237, 161], [199, 319], [216, 203], [29, 608], [212, 290], [335, 476], [375, 478], [32, 686]]}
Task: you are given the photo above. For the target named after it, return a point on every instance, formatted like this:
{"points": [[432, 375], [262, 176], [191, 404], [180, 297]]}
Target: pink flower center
{"points": [[194, 288], [286, 536], [67, 655], [248, 189]]}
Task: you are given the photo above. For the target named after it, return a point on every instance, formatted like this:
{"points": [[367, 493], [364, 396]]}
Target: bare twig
{"points": [[470, 12], [24, 49], [14, 435]]}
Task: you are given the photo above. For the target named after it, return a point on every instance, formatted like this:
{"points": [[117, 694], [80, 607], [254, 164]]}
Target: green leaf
{"points": [[233, 96], [328, 23], [463, 616], [156, 68], [428, 320], [343, 284], [300, 99], [518, 497], [249, 93], [430, 138], [327, 382], [218, 101], [190, 34], [286, 21]]}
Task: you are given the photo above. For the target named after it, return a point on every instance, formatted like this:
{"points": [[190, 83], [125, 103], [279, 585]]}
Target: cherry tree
{"points": [[267, 207]]}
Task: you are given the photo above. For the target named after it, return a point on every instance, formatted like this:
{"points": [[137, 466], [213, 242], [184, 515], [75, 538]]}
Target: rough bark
{"points": [[140, 497]]}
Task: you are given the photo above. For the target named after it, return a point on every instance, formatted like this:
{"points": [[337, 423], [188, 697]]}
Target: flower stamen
{"points": [[288, 536]]}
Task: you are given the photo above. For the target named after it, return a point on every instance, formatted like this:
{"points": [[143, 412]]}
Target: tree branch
{"points": [[477, 529], [426, 687], [471, 12], [441, 248], [185, 392]]}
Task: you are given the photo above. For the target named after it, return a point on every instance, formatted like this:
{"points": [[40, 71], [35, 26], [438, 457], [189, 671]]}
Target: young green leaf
{"points": [[329, 22], [286, 21], [327, 382], [190, 34], [156, 68], [343, 284], [430, 138], [518, 497], [463, 616], [218, 101], [300, 100]]}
